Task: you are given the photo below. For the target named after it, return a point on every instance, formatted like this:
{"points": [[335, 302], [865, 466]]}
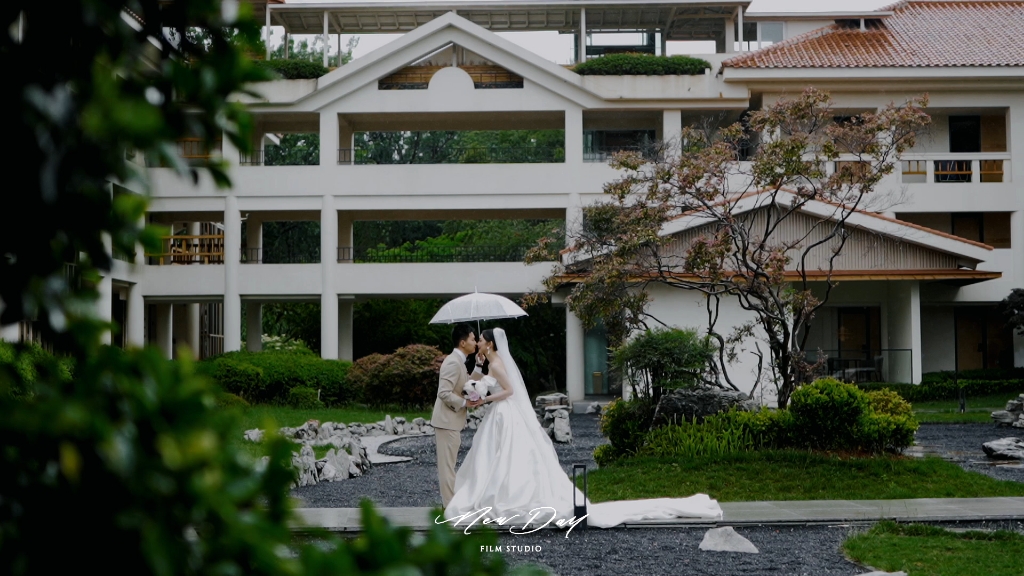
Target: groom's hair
{"points": [[460, 333]]}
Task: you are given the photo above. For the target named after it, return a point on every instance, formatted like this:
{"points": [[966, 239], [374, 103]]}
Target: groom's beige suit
{"points": [[448, 420]]}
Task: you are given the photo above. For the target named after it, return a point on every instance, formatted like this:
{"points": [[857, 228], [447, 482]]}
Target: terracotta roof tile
{"points": [[918, 34]]}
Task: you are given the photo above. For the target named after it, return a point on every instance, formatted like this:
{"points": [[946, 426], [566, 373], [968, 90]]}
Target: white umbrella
{"points": [[477, 306]]}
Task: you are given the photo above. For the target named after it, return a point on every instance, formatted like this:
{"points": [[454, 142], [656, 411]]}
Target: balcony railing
{"points": [[955, 170], [461, 155], [347, 254], [197, 249], [278, 156], [272, 256], [879, 365], [652, 152]]}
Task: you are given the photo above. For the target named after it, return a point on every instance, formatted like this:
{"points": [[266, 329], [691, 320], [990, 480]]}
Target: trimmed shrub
{"points": [[889, 423], [941, 386], [407, 377], [294, 69], [642, 65], [228, 400], [826, 414], [626, 423], [303, 397], [264, 377]]}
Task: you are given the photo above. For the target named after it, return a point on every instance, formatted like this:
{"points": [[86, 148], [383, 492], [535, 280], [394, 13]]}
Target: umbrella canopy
{"points": [[477, 306]]}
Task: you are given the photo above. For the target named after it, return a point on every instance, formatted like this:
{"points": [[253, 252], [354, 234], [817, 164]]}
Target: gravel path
{"points": [[961, 443]]}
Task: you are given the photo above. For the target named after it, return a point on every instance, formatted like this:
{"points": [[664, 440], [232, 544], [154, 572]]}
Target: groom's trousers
{"points": [[448, 442]]}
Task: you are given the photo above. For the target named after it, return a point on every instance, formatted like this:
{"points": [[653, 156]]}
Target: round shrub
{"points": [[605, 454], [826, 414], [889, 424], [303, 397], [236, 376], [626, 423], [267, 376], [228, 400], [633, 64], [407, 377]]}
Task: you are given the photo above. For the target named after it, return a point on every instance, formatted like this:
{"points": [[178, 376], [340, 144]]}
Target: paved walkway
{"points": [[800, 512]]}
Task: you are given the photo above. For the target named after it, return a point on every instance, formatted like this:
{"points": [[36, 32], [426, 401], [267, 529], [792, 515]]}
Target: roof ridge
{"points": [[817, 32]]}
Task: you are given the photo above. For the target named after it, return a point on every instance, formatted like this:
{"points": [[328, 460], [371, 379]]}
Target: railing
{"points": [[979, 167], [276, 156], [265, 256], [879, 365], [192, 150], [197, 249], [403, 255], [652, 152], [418, 78], [462, 155]]}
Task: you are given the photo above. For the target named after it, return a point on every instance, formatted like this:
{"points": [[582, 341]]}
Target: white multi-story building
{"points": [[956, 239]]}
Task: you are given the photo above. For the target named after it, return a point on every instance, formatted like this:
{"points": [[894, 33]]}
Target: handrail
{"points": [[433, 254], [464, 155], [190, 249], [260, 255]]}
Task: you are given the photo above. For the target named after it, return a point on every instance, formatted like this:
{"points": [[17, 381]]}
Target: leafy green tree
{"points": [[1013, 309], [303, 49], [130, 459]]}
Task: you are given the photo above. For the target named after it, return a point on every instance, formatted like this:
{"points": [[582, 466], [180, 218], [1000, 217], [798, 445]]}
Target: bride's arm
{"points": [[498, 372]]}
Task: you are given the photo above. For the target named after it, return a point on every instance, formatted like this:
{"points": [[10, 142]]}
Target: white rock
{"points": [[399, 419], [428, 429], [594, 408], [561, 430], [389, 425], [726, 539], [1005, 448], [399, 428], [418, 421], [471, 425], [254, 435]]}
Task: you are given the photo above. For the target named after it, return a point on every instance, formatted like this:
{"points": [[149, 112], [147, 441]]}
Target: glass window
{"points": [[770, 33]]}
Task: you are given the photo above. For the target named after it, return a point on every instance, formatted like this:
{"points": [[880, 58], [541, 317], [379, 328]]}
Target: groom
{"points": [[449, 416]]}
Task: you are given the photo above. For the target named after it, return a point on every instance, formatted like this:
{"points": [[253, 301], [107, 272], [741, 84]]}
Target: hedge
{"points": [[294, 69], [20, 365], [269, 376], [642, 65], [942, 386]]}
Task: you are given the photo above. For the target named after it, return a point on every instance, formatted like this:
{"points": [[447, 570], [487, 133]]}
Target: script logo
{"points": [[479, 516]]}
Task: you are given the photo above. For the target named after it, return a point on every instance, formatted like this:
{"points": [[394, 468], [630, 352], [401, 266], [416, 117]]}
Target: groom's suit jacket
{"points": [[449, 408]]}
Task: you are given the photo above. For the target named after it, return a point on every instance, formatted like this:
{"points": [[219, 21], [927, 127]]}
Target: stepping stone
{"points": [[726, 539], [372, 443]]}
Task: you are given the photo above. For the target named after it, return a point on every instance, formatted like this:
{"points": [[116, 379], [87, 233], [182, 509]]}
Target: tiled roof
{"points": [[918, 34]]}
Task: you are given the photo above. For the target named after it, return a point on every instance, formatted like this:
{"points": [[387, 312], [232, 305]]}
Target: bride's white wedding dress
{"points": [[512, 469]]}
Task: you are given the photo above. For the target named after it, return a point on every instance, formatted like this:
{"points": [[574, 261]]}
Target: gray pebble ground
{"points": [[799, 550]]}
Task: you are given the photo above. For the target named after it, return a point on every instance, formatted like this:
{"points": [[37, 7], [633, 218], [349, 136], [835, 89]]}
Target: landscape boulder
{"points": [[1005, 448], [687, 405]]}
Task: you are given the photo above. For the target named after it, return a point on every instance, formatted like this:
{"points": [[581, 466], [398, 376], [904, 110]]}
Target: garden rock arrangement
{"points": [[347, 457], [553, 412], [686, 405], [1013, 415], [1005, 449]]}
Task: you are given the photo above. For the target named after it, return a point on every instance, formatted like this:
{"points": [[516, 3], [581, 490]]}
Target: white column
{"points": [[345, 334], [329, 139], [286, 40], [267, 28], [253, 326], [232, 300], [739, 26], [730, 36], [135, 323], [574, 136], [904, 318], [574, 385], [229, 151], [664, 42], [671, 127], [326, 39], [583, 36], [328, 298], [193, 323], [165, 329]]}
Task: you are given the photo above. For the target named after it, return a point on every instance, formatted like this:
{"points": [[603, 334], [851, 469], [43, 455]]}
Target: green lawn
{"points": [[793, 475], [264, 416], [979, 409], [921, 550]]}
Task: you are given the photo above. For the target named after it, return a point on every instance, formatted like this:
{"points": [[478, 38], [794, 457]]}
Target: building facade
{"points": [[956, 237]]}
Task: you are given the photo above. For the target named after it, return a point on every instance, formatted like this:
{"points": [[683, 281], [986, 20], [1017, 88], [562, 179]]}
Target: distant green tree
{"points": [[314, 51]]}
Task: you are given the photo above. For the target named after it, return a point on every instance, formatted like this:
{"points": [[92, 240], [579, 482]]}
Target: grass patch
{"points": [[793, 475], [978, 409], [263, 416], [921, 550]]}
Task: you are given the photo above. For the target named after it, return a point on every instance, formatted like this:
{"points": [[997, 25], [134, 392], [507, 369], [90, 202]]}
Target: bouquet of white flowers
{"points": [[476, 389]]}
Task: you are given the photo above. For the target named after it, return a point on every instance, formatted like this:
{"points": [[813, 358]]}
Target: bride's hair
{"points": [[489, 336]]}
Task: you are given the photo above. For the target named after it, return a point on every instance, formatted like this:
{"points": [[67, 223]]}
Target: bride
{"points": [[512, 467]]}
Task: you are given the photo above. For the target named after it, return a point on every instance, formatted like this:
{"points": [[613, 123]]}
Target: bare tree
{"points": [[760, 232]]}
